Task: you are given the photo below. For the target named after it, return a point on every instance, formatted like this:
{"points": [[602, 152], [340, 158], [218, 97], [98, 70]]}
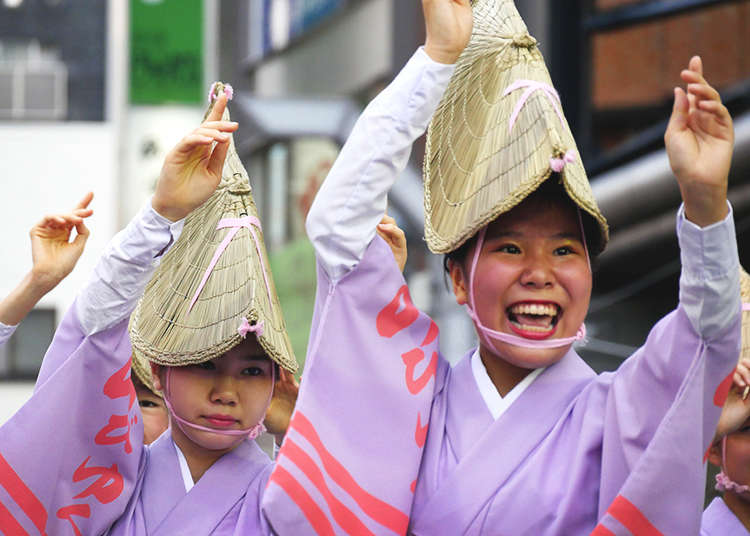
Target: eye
{"points": [[147, 403], [253, 371], [207, 365], [564, 250], [511, 249]]}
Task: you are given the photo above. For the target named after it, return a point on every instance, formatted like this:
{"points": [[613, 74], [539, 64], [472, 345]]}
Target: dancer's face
{"points": [[532, 279], [227, 393], [153, 412]]}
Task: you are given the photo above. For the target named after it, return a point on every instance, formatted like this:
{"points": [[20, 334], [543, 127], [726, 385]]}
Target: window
{"points": [[21, 356]]}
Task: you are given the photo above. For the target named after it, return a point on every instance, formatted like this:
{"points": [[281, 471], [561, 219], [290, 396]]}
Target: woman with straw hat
{"points": [[729, 515], [209, 323], [520, 437]]}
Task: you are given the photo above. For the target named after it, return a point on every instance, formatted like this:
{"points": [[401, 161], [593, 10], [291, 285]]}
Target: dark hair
{"points": [[549, 189]]}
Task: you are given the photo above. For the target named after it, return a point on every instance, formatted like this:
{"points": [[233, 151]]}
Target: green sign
{"points": [[166, 51]]}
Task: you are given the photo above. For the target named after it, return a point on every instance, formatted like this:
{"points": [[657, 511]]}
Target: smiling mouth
{"points": [[534, 320]]}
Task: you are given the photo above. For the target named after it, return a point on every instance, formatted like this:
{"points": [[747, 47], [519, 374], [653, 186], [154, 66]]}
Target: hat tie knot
{"points": [[524, 40], [213, 93], [246, 327], [558, 164]]}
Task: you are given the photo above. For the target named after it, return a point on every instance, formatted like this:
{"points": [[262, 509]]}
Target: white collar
{"points": [[496, 404], [187, 478]]}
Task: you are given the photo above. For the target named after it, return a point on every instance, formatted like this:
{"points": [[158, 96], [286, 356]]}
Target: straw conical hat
{"points": [[498, 133], [192, 312]]}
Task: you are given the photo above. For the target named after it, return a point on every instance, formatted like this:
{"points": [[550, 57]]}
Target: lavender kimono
{"points": [[72, 459], [388, 439], [719, 520]]}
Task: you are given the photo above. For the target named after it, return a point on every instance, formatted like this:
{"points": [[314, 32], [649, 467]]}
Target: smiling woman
{"points": [[520, 436]]}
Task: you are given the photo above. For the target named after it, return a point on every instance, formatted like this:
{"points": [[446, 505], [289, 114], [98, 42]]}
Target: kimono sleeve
{"points": [[350, 459], [662, 406], [69, 457]]}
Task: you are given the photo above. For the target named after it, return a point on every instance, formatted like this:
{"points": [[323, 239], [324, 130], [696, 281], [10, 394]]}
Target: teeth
{"points": [[537, 329], [534, 309]]}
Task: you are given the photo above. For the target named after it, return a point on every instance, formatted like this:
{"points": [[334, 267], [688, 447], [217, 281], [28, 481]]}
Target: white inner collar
{"points": [[187, 478], [495, 403]]}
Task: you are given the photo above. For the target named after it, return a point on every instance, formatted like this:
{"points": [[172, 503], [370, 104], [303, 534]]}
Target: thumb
{"points": [[680, 112], [82, 235]]}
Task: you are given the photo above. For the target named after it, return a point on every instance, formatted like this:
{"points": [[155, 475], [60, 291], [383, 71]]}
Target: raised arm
{"points": [[54, 255], [191, 173], [352, 200], [699, 141]]}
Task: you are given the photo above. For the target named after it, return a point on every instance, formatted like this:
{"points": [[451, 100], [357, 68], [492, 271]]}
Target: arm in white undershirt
{"points": [[124, 269], [353, 198], [710, 279]]}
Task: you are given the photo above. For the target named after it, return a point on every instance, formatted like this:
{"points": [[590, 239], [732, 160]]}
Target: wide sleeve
{"points": [[69, 458], [351, 456], [662, 405]]}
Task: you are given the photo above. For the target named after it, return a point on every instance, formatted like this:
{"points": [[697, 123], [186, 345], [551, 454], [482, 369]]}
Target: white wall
{"points": [[47, 168]]}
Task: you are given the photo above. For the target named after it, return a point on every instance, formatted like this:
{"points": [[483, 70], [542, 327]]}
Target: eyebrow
{"points": [[259, 357], [513, 234]]}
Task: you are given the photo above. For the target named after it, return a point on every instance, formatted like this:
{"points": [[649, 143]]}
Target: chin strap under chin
{"points": [[250, 433], [488, 334]]}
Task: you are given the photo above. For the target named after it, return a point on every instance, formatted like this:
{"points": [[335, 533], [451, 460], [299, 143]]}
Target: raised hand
{"points": [[699, 141], [53, 253], [394, 236], [280, 411], [448, 26], [192, 169]]}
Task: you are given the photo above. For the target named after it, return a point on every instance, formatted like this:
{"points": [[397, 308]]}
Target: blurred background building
{"points": [[94, 93]]}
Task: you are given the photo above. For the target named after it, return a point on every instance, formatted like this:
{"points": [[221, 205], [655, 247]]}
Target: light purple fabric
{"points": [[76, 443], [83, 383], [719, 520], [223, 502], [574, 449]]}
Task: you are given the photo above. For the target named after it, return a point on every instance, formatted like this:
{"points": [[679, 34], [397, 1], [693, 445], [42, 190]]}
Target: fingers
{"points": [[680, 112], [207, 134], [742, 374], [82, 235], [218, 157], [84, 203], [218, 109], [224, 126], [60, 221], [696, 65]]}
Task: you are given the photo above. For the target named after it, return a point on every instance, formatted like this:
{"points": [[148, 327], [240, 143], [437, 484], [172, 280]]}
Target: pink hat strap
{"points": [[234, 224], [532, 86], [250, 433]]}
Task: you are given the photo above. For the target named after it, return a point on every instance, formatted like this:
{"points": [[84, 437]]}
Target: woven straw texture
{"points": [[161, 328], [142, 370], [475, 166]]}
